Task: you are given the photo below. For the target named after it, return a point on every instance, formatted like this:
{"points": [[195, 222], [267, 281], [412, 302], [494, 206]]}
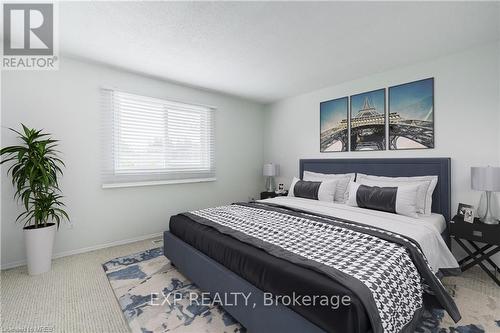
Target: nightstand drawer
{"points": [[476, 231], [267, 195]]}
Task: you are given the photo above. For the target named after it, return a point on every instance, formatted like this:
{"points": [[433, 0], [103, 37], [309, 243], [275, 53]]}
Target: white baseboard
{"points": [[86, 249]]}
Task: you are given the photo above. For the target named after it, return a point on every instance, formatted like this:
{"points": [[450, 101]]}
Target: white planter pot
{"points": [[39, 243]]}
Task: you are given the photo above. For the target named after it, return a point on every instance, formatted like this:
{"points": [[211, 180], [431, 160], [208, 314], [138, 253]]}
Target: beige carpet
{"points": [[76, 296], [478, 299]]}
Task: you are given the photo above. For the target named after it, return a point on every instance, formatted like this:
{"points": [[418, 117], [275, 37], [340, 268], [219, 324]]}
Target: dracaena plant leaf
{"points": [[35, 167]]}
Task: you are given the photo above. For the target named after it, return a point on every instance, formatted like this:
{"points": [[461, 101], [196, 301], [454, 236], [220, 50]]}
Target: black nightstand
{"points": [[469, 233], [267, 195]]}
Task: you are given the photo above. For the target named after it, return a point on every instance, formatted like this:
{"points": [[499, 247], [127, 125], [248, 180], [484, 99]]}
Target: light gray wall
{"points": [[66, 103], [466, 117], [467, 113]]}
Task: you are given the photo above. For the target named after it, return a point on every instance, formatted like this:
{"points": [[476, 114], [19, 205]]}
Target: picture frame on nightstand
{"points": [[462, 210], [468, 215]]}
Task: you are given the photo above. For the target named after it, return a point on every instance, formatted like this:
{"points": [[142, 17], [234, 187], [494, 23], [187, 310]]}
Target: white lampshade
{"points": [[485, 178], [270, 170]]}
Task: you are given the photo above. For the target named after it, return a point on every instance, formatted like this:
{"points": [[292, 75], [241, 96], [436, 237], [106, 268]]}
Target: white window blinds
{"points": [[150, 140]]}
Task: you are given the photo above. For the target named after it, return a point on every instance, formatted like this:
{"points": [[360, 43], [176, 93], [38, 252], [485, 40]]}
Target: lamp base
{"points": [[488, 217], [270, 184]]}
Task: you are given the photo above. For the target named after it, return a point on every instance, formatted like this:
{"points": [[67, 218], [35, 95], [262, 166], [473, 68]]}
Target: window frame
{"points": [[111, 178]]}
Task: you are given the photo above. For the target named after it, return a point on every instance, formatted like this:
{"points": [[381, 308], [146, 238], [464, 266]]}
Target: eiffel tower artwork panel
{"points": [[333, 125], [367, 121], [411, 115]]}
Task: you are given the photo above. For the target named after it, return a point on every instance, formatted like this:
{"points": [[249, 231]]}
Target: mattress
{"points": [[275, 275], [332, 208]]}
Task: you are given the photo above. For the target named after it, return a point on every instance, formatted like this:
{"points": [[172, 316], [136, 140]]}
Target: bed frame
{"points": [[212, 277]]}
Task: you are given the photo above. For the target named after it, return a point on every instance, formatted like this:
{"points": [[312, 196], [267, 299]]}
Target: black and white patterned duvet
{"points": [[385, 270]]}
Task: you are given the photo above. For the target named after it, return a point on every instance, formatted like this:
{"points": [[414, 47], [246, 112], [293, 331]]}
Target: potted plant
{"points": [[34, 168]]}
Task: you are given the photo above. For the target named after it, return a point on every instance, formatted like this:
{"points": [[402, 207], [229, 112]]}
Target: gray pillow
{"points": [[306, 190]]}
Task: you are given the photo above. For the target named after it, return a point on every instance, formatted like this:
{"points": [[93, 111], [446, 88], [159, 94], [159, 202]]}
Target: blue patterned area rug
{"points": [[136, 277]]}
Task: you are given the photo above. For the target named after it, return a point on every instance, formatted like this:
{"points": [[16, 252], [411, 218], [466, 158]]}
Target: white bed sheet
{"points": [[437, 220], [426, 231]]}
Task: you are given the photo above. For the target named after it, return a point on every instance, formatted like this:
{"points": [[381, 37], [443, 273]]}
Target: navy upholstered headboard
{"points": [[393, 167]]}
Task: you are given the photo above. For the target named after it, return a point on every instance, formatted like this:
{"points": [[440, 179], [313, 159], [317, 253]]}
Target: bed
{"points": [[222, 262]]}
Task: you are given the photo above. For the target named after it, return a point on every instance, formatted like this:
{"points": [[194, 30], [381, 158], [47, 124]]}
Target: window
{"points": [[155, 141]]}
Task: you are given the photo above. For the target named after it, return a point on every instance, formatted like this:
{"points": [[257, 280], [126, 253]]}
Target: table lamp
{"points": [[486, 179], [270, 170]]}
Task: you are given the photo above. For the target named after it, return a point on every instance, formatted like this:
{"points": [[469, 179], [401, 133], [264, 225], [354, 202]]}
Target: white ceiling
{"points": [[268, 51]]}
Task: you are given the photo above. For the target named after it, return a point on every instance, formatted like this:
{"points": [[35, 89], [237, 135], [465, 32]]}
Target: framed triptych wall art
{"points": [[362, 122]]}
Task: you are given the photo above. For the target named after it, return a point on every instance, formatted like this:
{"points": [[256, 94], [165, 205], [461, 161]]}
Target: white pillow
{"points": [[326, 191], [405, 201], [424, 195], [344, 179], [292, 185]]}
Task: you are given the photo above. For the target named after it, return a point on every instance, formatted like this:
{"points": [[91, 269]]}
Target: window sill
{"points": [[159, 182]]}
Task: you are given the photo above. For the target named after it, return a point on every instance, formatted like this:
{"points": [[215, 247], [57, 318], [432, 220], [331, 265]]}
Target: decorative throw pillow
{"points": [[319, 190], [401, 199], [344, 179], [427, 184]]}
